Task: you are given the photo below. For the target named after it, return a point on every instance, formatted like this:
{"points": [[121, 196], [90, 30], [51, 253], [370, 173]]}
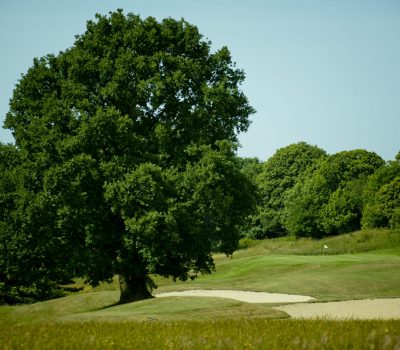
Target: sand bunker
{"points": [[357, 309], [248, 297]]}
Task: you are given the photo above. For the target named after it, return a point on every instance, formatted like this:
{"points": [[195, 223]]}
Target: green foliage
{"points": [[22, 278], [342, 213], [251, 167], [328, 200], [395, 220], [387, 201], [303, 204], [279, 174], [126, 166], [381, 197]]}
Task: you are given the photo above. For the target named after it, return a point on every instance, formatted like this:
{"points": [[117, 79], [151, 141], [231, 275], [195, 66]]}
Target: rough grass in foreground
{"points": [[220, 334]]}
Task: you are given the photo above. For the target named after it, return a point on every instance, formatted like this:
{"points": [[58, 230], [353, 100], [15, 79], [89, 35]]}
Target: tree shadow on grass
{"points": [[118, 303]]}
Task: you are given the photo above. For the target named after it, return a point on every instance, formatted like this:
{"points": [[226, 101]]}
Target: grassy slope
{"points": [[282, 265], [339, 277], [100, 306], [364, 264]]}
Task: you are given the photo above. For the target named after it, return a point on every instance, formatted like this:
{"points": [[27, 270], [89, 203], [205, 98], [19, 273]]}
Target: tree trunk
{"points": [[133, 289]]}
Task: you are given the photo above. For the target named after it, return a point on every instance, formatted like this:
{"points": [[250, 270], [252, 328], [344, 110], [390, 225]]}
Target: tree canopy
{"points": [[126, 146], [276, 177], [382, 197], [328, 200]]}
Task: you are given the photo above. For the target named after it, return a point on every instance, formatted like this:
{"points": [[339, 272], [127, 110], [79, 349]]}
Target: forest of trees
{"points": [[304, 192]]}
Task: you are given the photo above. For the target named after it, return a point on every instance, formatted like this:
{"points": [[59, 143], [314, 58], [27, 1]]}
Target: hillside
{"points": [[359, 265], [363, 264]]}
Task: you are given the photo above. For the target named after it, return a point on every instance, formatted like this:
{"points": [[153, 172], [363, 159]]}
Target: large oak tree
{"points": [[126, 148]]}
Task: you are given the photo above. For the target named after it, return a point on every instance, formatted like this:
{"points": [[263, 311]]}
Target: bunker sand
{"points": [[299, 308], [366, 309], [245, 296]]}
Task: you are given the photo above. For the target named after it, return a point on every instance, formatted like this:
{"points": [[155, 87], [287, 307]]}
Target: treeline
{"points": [[304, 192]]}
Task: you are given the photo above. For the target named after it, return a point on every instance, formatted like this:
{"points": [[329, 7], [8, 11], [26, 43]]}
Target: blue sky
{"points": [[326, 72]]}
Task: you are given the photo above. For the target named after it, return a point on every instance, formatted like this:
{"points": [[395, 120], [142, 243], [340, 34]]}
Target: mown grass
{"points": [[339, 277], [101, 307], [217, 334], [364, 264], [180, 308]]}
